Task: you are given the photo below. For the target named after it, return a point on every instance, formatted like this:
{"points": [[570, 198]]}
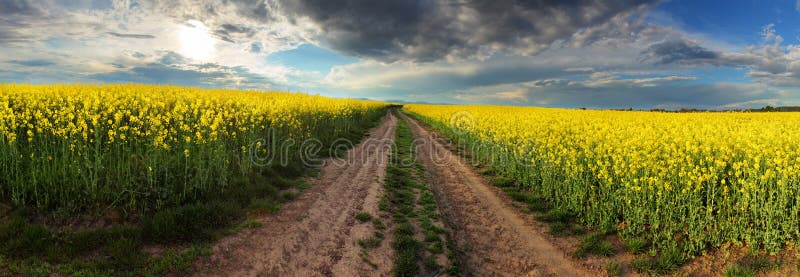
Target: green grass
{"points": [[738, 271], [406, 256], [436, 247], [410, 201], [400, 195], [195, 222], [431, 236], [365, 257], [750, 265], [613, 269], [665, 263], [759, 263], [556, 215], [594, 244], [26, 245], [372, 242], [436, 241], [363, 217], [561, 229], [378, 224], [561, 223], [122, 254], [487, 171], [246, 224], [636, 245], [288, 195], [264, 207], [453, 255], [503, 182]]}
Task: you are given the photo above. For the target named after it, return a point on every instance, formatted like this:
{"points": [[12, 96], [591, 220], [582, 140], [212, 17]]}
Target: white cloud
{"points": [[610, 79], [579, 69], [399, 75], [519, 95]]}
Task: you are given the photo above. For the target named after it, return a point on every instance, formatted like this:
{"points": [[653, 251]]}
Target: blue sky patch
{"points": [[309, 57]]}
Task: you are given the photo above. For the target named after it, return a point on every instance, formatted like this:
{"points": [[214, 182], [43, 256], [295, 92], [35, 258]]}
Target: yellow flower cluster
{"points": [[162, 115], [685, 179], [86, 141]]}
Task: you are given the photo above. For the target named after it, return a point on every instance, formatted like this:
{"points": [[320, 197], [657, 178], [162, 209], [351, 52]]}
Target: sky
{"points": [[638, 54]]}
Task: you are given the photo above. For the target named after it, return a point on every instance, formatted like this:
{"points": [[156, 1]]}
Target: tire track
{"points": [[316, 234]]}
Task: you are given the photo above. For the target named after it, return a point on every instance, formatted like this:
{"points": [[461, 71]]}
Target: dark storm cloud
{"points": [[141, 36], [388, 30], [678, 51], [362, 28], [235, 29], [229, 31], [424, 30], [432, 30], [32, 63]]}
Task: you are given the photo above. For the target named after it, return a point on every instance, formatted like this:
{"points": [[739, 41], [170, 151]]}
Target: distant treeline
{"points": [[777, 109], [764, 109]]}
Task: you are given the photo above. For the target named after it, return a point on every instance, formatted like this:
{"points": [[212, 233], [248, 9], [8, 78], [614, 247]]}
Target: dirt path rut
{"points": [[497, 240], [316, 234]]}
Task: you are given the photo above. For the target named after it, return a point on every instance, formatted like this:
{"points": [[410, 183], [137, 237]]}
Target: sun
{"points": [[196, 42]]}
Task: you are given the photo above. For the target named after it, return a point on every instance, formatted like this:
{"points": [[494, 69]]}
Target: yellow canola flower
{"points": [[731, 174], [81, 146], [691, 148], [161, 116]]}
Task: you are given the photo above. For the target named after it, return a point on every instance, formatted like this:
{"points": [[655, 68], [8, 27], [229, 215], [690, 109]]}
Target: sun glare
{"points": [[196, 42]]}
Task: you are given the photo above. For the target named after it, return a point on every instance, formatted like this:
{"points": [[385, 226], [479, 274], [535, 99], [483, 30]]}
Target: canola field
{"points": [[683, 181], [142, 147]]}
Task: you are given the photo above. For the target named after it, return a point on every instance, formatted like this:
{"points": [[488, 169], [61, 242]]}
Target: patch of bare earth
{"points": [[497, 239], [317, 234]]}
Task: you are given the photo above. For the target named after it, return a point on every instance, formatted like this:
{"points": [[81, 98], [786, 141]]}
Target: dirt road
{"points": [[497, 240], [316, 234]]}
